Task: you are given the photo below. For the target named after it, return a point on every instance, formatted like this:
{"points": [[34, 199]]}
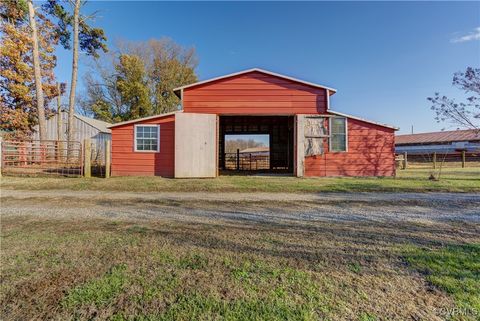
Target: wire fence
{"points": [[246, 162], [97, 159], [434, 160], [49, 157]]}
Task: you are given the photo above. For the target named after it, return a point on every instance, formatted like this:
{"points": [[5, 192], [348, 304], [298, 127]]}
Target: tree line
{"points": [[138, 80], [231, 145], [134, 80], [463, 114]]}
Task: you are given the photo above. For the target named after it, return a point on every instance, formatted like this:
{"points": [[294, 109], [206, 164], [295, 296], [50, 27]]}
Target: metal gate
{"points": [[248, 162], [49, 157]]}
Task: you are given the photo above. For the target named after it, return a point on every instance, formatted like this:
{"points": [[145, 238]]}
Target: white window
{"points": [[147, 138], [338, 134]]}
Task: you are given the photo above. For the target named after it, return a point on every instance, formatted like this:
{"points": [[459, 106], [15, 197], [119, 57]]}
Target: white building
{"points": [[438, 142]]}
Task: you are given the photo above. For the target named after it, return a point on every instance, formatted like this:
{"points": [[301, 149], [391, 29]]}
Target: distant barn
{"points": [[438, 142], [261, 150]]}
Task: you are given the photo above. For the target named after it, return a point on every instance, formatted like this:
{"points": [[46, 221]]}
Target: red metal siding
{"points": [[254, 93], [127, 162], [370, 153], [370, 147]]}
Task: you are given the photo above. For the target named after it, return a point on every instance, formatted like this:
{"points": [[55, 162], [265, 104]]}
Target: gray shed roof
{"points": [[102, 126]]}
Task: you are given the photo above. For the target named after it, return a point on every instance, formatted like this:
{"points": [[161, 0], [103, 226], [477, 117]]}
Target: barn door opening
{"points": [[271, 140], [247, 152]]}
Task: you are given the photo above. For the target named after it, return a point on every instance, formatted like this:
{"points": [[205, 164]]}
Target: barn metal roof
{"points": [[143, 119], [102, 126], [178, 90], [259, 149], [362, 119], [438, 137]]}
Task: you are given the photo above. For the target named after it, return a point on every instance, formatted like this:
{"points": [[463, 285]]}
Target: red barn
{"points": [[306, 137]]}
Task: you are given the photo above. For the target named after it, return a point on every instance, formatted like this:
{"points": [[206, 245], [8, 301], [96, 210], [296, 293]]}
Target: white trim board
{"points": [[144, 118], [330, 136], [135, 138], [362, 119]]}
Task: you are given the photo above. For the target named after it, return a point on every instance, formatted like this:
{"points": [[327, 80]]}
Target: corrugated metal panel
{"points": [[438, 148], [82, 131], [438, 137]]}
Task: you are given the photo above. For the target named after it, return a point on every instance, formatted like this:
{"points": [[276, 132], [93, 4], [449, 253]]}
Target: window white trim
{"points": [[330, 135], [328, 99], [135, 138]]}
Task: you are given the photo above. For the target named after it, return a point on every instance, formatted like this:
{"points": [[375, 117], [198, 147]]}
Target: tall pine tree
{"points": [[85, 38], [18, 102]]}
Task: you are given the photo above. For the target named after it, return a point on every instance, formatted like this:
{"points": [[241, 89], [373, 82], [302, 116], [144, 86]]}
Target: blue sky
{"points": [[384, 58]]}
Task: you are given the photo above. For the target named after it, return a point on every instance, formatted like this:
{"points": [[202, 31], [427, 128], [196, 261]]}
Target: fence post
{"points": [[405, 162], [87, 168], [238, 159], [107, 159], [463, 159], [434, 160]]}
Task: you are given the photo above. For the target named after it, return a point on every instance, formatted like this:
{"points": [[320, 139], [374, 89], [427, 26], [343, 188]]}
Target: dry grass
{"points": [[168, 270], [411, 180]]}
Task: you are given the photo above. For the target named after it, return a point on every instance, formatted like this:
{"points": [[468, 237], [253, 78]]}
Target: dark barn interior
{"points": [[280, 130]]}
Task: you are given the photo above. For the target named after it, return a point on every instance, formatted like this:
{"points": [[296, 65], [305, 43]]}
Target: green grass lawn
{"points": [[410, 180], [456, 270], [106, 269]]}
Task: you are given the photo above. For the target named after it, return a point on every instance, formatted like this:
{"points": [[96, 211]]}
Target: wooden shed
{"points": [[84, 127], [306, 137]]}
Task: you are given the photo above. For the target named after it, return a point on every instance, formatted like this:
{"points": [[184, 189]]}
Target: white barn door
{"points": [[195, 145]]}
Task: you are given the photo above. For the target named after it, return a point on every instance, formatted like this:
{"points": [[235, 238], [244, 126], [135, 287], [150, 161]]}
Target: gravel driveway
{"points": [[241, 207]]}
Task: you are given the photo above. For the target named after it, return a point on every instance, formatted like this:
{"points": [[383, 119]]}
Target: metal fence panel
{"points": [[247, 162], [50, 157]]}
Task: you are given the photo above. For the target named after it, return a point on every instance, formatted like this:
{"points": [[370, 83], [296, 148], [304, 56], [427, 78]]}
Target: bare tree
{"points": [[144, 72], [464, 114], [231, 145], [169, 65], [73, 82], [38, 74]]}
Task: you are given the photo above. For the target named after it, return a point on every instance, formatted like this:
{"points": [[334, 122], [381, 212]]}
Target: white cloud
{"points": [[473, 35]]}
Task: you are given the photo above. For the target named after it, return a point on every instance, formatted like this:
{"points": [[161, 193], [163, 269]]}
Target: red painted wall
{"points": [[127, 162], [254, 93], [370, 147], [370, 153]]}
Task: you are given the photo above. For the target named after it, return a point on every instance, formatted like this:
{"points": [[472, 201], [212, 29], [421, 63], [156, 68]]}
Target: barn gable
{"points": [[255, 92]]}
